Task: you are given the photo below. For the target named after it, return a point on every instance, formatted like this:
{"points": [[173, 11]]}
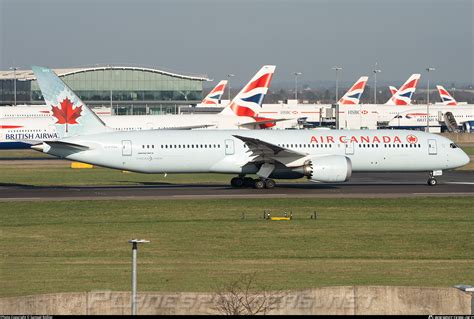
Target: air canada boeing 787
{"points": [[324, 156]]}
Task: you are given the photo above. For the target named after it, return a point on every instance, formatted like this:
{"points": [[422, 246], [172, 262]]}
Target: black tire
{"points": [[432, 182], [258, 184], [248, 182], [237, 182], [270, 183]]}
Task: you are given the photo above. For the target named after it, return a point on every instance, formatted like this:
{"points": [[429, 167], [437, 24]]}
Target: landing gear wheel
{"points": [[237, 182], [432, 181], [270, 183], [248, 181], [259, 184]]}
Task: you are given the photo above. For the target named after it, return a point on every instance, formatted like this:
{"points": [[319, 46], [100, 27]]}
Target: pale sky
{"points": [[218, 37]]}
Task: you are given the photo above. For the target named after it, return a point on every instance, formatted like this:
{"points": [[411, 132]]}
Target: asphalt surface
{"points": [[362, 185]]}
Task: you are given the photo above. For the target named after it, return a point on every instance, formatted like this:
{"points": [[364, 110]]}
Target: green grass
{"points": [[61, 175], [468, 149], [25, 154], [197, 245]]}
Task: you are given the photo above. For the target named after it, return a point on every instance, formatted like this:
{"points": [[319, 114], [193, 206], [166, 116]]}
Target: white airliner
{"points": [[298, 114], [325, 156], [415, 117], [399, 102], [241, 113]]}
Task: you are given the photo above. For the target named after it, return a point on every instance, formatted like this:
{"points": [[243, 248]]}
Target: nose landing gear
{"points": [[432, 181]]}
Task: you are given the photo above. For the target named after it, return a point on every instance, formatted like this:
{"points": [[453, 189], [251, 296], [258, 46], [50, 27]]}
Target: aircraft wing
{"points": [[262, 151]]}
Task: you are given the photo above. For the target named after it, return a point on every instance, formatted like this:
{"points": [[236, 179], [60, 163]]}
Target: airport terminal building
{"points": [[127, 90]]}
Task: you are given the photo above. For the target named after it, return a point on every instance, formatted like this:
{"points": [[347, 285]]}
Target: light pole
{"points": [[111, 84], [135, 243], [428, 69], [337, 68], [375, 84], [296, 85], [228, 83], [14, 82]]}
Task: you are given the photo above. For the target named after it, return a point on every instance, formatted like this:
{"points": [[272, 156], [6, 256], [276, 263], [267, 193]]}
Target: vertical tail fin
{"points": [[445, 96], [355, 92], [73, 117], [404, 94], [214, 97], [393, 90], [249, 100]]}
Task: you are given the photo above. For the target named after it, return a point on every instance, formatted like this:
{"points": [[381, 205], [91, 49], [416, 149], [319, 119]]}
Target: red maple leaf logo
{"points": [[412, 139], [66, 114]]}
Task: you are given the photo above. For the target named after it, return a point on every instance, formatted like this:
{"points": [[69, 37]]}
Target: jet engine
{"points": [[330, 168]]}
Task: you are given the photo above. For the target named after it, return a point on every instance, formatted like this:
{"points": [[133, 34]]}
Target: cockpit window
{"points": [[453, 145]]}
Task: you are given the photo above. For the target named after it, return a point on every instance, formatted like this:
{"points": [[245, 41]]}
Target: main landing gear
{"points": [[258, 183]]}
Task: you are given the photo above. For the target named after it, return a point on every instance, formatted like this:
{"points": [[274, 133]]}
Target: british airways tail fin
{"points": [[393, 90], [355, 92], [249, 100], [214, 97], [404, 94], [445, 96], [72, 116]]}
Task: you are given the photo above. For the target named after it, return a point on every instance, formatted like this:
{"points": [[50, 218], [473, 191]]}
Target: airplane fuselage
{"points": [[214, 151]]}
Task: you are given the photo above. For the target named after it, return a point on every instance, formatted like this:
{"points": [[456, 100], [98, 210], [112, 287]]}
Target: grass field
{"points": [[198, 245]]}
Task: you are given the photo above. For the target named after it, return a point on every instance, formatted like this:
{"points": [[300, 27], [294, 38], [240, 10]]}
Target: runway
{"points": [[362, 185]]}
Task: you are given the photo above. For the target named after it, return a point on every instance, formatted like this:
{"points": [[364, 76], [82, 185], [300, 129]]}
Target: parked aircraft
{"points": [[241, 113], [322, 156], [439, 116]]}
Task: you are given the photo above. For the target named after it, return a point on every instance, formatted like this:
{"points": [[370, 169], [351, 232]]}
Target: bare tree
{"points": [[242, 297]]}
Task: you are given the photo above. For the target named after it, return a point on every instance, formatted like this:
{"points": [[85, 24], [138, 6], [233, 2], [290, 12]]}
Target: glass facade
{"points": [[122, 86]]}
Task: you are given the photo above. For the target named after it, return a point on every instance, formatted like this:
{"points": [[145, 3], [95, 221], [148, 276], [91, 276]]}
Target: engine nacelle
{"points": [[330, 168]]}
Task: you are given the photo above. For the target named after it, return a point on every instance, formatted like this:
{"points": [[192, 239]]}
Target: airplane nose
{"points": [[464, 158]]}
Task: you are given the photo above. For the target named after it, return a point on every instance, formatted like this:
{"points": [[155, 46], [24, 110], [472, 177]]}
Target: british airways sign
{"points": [[31, 136]]}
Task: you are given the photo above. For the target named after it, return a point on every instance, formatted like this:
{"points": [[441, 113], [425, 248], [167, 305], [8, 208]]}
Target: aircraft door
{"points": [[126, 148], [349, 148], [432, 149], [229, 147]]}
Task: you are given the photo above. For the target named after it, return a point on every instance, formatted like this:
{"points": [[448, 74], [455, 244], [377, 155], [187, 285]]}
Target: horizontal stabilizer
{"points": [[62, 145]]}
